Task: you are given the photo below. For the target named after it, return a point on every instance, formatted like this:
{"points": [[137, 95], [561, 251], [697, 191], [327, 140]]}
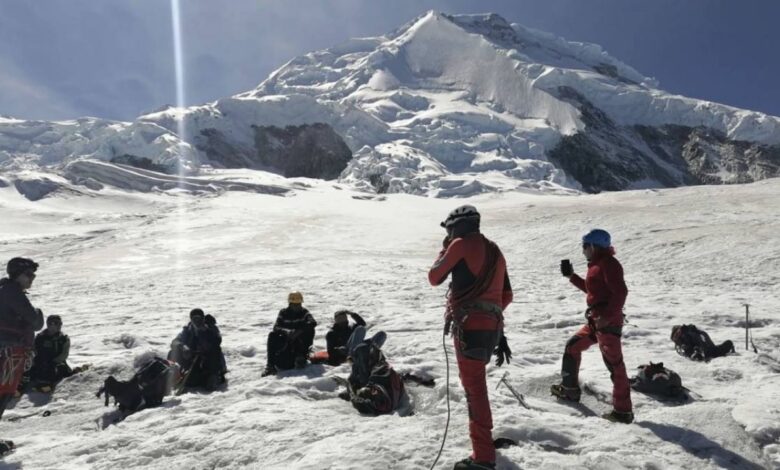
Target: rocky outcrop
{"points": [[609, 157], [308, 150]]}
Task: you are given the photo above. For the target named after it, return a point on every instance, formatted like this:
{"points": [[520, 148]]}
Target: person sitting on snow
{"points": [[289, 344], [339, 334], [374, 387], [198, 350], [51, 353]]}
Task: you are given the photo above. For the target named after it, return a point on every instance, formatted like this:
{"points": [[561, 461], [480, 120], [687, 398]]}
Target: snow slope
{"points": [[450, 106], [124, 269]]}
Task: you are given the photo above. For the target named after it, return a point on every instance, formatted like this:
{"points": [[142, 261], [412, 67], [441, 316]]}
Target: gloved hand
{"points": [[502, 351], [566, 268], [210, 320], [186, 352]]}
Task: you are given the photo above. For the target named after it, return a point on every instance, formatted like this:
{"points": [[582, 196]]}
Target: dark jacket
{"points": [[51, 349], [289, 320], [338, 335], [206, 340], [19, 320]]}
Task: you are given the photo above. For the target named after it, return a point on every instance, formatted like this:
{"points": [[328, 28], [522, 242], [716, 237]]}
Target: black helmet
{"points": [[465, 212], [54, 319], [19, 266], [196, 312]]}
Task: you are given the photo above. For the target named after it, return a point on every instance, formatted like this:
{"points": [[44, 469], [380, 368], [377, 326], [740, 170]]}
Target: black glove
{"points": [[210, 320], [566, 268], [502, 351]]}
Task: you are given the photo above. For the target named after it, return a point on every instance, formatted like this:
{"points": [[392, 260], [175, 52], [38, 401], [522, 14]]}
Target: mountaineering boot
{"points": [[269, 370], [626, 417], [469, 464], [566, 393]]}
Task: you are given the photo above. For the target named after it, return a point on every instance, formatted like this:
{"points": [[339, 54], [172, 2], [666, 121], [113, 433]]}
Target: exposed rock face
{"points": [[608, 157], [141, 162], [313, 151], [36, 189], [308, 150]]}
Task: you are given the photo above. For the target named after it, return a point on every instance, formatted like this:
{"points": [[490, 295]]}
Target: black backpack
{"points": [[696, 344], [147, 388], [655, 379]]}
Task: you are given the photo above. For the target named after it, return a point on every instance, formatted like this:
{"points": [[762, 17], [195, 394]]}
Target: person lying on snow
{"points": [[19, 321], [697, 345], [147, 388], [198, 350], [339, 334], [374, 387], [51, 353], [289, 344]]}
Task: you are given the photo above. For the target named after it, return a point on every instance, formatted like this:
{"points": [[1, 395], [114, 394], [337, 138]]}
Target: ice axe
{"points": [[518, 395]]}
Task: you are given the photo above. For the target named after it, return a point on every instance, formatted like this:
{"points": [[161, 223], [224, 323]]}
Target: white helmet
{"points": [[460, 213]]}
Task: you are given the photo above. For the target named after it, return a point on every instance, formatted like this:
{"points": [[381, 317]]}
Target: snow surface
{"points": [[123, 270], [468, 94]]}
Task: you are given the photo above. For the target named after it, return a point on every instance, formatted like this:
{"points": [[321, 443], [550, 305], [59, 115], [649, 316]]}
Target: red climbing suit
{"points": [[478, 323], [606, 293]]}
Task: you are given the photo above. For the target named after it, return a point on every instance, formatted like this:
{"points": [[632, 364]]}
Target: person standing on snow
{"points": [[479, 293], [19, 321], [606, 294], [289, 344]]}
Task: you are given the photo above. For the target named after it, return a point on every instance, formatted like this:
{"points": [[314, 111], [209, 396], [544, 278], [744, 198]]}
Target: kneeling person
{"points": [[198, 350]]}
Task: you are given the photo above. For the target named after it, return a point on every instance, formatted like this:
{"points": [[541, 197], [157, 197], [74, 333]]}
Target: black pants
{"points": [[282, 351]]}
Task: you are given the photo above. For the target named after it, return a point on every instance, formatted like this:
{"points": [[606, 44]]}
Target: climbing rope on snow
{"points": [[446, 426]]}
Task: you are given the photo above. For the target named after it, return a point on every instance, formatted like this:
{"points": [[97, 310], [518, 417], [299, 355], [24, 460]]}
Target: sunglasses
{"points": [[30, 274], [585, 246]]}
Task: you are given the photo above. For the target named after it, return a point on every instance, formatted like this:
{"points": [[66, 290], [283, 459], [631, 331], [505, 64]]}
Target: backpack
{"points": [[696, 344], [655, 379], [146, 388]]}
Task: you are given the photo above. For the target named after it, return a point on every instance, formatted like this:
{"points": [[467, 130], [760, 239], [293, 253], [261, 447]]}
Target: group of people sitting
{"points": [[373, 387]]}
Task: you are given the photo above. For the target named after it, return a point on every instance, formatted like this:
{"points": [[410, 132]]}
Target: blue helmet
{"points": [[598, 237]]}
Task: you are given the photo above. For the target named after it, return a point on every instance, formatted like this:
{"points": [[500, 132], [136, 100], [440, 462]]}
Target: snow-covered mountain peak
{"points": [[445, 105]]}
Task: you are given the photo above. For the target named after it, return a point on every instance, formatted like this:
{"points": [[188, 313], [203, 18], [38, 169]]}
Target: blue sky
{"points": [[114, 58]]}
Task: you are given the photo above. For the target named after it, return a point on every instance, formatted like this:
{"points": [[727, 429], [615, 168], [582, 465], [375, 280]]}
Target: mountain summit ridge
{"points": [[452, 105]]}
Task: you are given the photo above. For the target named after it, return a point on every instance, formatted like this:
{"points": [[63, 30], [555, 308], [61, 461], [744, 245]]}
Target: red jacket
{"points": [[605, 288], [464, 258]]}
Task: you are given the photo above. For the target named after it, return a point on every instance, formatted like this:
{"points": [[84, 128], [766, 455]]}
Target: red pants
{"points": [[480, 335], [611, 352]]}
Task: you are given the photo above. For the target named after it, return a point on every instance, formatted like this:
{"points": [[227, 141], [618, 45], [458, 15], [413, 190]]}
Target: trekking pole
{"points": [[518, 395], [747, 325]]}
